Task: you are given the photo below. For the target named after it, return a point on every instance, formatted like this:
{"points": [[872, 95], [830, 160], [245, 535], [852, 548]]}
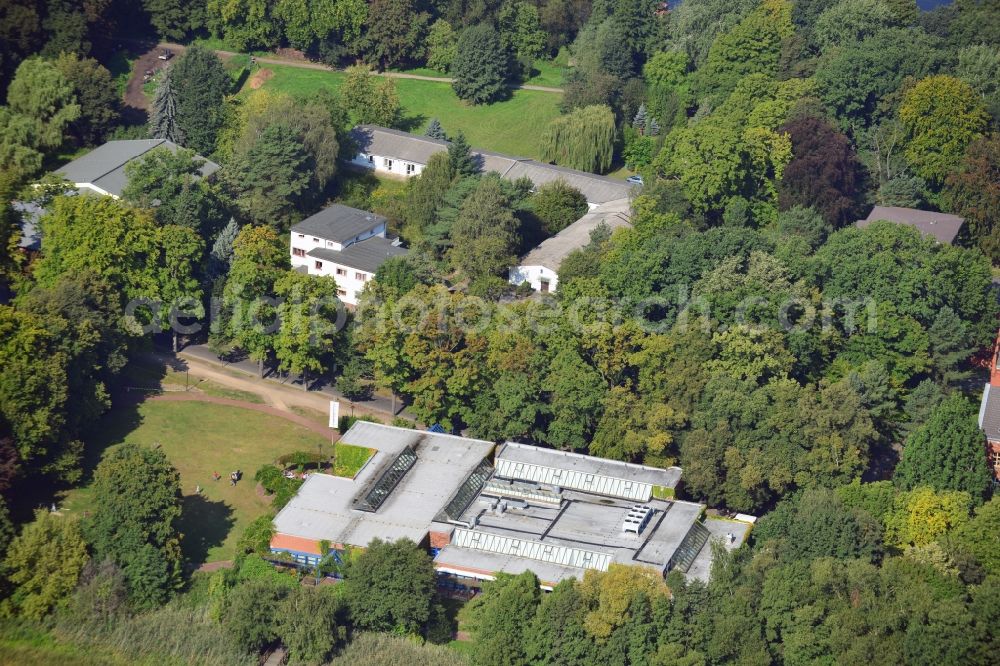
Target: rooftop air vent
{"points": [[636, 519]]}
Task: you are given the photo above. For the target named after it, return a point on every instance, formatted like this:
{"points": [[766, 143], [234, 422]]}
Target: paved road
{"points": [[305, 64]]}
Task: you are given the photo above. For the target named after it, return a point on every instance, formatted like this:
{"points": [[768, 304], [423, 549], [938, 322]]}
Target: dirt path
{"points": [[302, 64], [149, 61], [276, 396]]}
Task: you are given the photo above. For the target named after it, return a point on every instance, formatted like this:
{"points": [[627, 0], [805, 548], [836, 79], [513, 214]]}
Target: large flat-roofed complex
{"points": [[481, 512], [559, 514]]}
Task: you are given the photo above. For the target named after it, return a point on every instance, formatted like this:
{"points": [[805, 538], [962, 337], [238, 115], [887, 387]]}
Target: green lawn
{"points": [[349, 459], [201, 438], [511, 126], [547, 73]]}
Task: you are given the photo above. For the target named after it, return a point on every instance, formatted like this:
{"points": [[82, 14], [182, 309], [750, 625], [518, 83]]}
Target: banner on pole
{"points": [[334, 413]]}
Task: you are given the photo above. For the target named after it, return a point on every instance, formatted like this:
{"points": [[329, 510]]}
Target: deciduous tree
{"points": [[442, 46], [500, 616], [557, 205], [170, 184], [583, 139], [41, 94], [96, 94], [390, 587], [484, 235], [44, 564], [308, 312], [137, 499], [823, 173], [942, 115], [973, 191]]}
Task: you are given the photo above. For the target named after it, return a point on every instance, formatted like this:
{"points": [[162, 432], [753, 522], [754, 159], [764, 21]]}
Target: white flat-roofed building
{"points": [[344, 243], [396, 495], [527, 508]]}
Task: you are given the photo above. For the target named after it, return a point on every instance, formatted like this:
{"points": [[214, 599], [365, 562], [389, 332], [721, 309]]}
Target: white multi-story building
{"points": [[344, 243], [389, 151]]}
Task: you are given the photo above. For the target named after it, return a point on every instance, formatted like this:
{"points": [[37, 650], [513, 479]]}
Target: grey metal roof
{"points": [[375, 140], [989, 413], [551, 252], [513, 452], [386, 142], [323, 507], [104, 167], [366, 255], [941, 226], [339, 223], [596, 189]]}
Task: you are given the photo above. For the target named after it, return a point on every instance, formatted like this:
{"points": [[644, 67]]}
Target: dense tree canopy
{"points": [[138, 503]]}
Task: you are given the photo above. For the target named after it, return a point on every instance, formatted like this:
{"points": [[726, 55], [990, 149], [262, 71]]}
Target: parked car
{"points": [[166, 55], [634, 180]]}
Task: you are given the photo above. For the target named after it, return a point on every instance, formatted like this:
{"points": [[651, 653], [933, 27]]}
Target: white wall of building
{"points": [[309, 242], [390, 165], [535, 276], [350, 281]]}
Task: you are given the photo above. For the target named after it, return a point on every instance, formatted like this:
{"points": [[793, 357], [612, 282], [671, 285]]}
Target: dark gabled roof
{"points": [[941, 226], [366, 255], [374, 140], [104, 167], [339, 223]]}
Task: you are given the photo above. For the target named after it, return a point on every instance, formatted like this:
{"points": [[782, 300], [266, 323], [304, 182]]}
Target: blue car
{"points": [[634, 180]]}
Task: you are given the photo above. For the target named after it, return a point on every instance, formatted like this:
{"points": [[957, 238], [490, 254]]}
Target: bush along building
{"points": [[481, 509], [344, 243]]}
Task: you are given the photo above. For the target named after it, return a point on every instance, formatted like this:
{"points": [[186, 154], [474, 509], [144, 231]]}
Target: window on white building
{"points": [[298, 252], [315, 240], [301, 235], [387, 163], [409, 168], [341, 271], [341, 292], [371, 158], [361, 276], [319, 265]]}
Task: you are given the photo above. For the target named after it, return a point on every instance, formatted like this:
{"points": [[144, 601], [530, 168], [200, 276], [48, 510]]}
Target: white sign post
{"points": [[334, 413]]}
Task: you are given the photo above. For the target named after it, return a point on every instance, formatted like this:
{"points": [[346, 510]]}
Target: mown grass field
{"points": [[511, 126], [199, 439]]}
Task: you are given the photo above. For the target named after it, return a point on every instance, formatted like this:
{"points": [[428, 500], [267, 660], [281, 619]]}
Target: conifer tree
{"points": [[163, 121], [639, 121], [652, 127], [435, 131], [460, 157]]}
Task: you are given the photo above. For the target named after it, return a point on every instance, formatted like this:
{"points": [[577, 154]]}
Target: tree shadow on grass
{"points": [[411, 123], [205, 524]]}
